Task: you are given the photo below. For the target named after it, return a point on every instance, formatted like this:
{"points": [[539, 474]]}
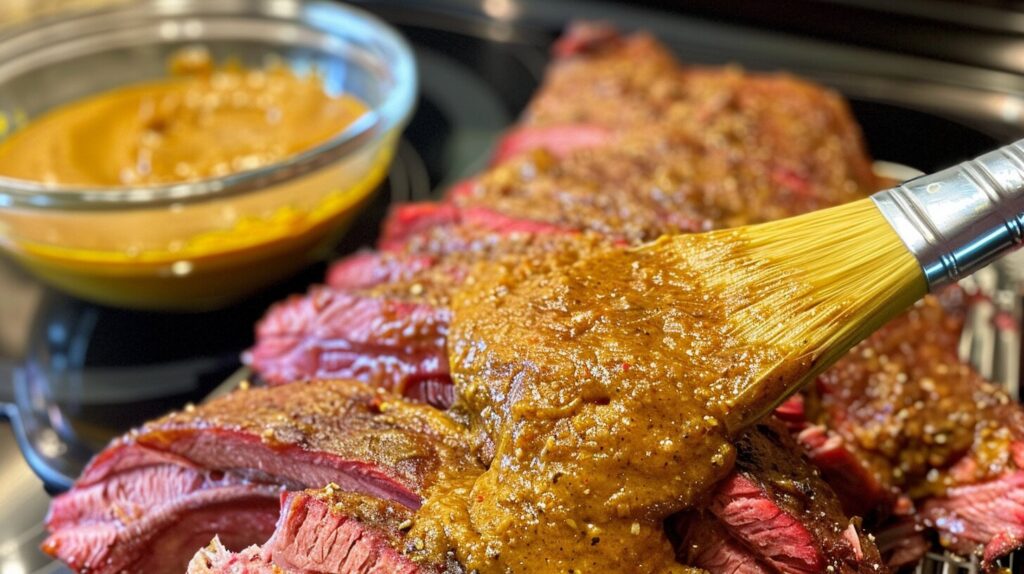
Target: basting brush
{"points": [[609, 389], [817, 284]]}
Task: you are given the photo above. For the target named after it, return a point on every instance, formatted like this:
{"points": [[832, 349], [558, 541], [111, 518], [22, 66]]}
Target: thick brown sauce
{"points": [[598, 389]]}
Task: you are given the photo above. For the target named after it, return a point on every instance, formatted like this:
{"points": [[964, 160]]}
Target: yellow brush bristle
{"points": [[811, 286]]}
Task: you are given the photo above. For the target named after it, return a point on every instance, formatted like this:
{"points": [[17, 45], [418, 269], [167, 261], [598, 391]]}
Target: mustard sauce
{"points": [[597, 392], [201, 123]]}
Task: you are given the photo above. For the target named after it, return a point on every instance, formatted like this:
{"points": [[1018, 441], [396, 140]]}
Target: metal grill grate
{"points": [[946, 563]]}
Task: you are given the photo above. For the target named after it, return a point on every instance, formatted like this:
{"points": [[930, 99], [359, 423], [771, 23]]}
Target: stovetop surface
{"points": [[82, 373]]}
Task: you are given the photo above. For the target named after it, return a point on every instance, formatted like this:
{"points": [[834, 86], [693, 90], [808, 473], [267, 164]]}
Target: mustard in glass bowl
{"points": [[182, 154]]}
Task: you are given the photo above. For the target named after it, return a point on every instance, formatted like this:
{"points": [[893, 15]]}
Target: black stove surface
{"points": [[81, 373]]}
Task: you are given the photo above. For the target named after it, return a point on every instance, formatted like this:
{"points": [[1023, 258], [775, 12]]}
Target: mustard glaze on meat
{"points": [[601, 386]]}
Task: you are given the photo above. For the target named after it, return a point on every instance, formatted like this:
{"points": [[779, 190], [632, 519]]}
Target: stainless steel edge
{"points": [[961, 219]]}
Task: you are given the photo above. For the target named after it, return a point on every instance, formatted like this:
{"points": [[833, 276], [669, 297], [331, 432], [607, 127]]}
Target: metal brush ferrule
{"points": [[960, 219]]}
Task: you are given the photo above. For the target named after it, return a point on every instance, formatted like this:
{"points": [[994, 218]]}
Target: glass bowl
{"points": [[200, 244]]}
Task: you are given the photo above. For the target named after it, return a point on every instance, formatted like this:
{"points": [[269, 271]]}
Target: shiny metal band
{"points": [[960, 219]]}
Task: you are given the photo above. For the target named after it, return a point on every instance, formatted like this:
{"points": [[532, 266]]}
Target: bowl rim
{"points": [[391, 114]]}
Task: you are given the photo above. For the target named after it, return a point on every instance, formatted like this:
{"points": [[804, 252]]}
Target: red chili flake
{"points": [[479, 498], [626, 366]]}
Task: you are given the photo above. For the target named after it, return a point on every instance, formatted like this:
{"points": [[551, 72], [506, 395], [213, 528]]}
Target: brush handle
{"points": [[960, 219]]}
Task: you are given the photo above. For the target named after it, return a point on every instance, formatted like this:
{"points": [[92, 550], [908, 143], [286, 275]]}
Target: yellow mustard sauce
{"points": [[597, 393], [202, 122]]}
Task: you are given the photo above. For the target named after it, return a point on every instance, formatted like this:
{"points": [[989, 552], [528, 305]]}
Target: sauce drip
{"points": [[202, 123], [597, 391]]}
